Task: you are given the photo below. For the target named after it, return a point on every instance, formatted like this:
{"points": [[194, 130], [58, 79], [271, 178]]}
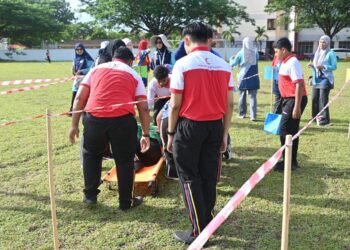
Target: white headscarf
{"points": [[321, 53], [163, 38], [249, 52]]}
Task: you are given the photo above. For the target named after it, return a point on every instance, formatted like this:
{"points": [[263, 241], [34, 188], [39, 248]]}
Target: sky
{"points": [[81, 17]]}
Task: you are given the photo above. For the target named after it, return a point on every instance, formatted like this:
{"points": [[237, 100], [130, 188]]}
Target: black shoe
{"points": [[184, 236], [90, 201], [135, 202], [279, 166], [295, 165]]}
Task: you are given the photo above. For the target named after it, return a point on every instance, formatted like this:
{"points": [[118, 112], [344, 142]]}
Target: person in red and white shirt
{"points": [[159, 86], [100, 93], [292, 89], [201, 109]]}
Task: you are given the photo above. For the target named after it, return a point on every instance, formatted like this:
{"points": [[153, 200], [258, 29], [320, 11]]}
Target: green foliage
{"points": [[260, 35], [31, 22], [165, 16], [319, 214], [330, 16], [229, 34]]}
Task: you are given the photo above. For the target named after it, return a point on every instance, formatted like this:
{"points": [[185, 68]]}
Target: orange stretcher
{"points": [[146, 174]]}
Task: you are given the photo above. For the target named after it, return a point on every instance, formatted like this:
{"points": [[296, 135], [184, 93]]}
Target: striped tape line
{"points": [[12, 91], [248, 186], [30, 81]]}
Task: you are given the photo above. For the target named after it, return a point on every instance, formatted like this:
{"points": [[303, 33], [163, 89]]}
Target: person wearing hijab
{"points": [[162, 55], [248, 79], [142, 58], [325, 62], [81, 65]]}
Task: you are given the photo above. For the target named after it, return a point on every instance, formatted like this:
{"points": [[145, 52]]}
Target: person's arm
{"points": [[159, 119], [227, 119], [89, 65], [79, 104], [236, 60], [142, 108], [296, 75], [331, 61], [298, 95], [151, 93], [175, 104]]}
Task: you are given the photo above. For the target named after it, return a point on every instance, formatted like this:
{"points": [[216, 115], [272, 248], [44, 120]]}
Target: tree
{"points": [[229, 34], [331, 16], [164, 16], [260, 35], [31, 21]]}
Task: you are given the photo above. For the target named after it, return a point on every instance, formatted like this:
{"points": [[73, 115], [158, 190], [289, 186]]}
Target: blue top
{"points": [[276, 69], [181, 52], [246, 71], [330, 64]]}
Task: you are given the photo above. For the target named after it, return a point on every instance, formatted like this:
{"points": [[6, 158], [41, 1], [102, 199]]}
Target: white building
{"points": [[305, 41]]}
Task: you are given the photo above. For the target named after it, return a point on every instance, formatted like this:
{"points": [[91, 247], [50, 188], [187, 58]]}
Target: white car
{"points": [[342, 53]]}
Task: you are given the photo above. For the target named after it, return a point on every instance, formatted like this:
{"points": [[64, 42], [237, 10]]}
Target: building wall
{"points": [[255, 9]]}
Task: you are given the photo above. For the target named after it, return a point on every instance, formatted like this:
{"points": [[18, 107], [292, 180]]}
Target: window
{"points": [[305, 47], [344, 44], [271, 24]]}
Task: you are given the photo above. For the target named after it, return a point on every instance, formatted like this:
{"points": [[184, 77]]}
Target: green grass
{"points": [[320, 201]]}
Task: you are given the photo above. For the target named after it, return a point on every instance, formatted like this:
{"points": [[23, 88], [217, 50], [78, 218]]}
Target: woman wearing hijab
{"points": [[81, 65], [128, 43], [248, 79], [162, 55], [142, 58], [325, 62]]}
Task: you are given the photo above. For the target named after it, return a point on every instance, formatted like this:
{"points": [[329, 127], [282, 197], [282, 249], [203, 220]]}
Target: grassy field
{"points": [[320, 201]]}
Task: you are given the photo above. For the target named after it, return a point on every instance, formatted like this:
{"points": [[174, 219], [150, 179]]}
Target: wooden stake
{"points": [[349, 132], [51, 180], [286, 192]]}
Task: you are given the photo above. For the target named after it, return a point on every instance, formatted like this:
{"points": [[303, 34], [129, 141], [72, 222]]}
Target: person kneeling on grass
{"points": [[159, 86], [117, 82]]}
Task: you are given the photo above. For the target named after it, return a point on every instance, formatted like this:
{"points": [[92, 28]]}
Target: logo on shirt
{"points": [[207, 60]]}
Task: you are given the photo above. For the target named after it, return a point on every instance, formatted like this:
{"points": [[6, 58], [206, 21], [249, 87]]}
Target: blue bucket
{"points": [[268, 73], [272, 123]]}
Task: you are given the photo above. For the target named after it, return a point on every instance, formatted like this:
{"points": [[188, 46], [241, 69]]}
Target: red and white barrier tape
{"points": [[236, 200], [97, 109], [248, 186], [30, 81], [11, 91]]}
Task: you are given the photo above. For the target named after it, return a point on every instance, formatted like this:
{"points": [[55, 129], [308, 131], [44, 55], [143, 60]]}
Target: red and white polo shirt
{"points": [[290, 73], [113, 83], [204, 80]]}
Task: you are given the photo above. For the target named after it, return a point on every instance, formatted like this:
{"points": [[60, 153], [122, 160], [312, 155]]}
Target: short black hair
{"points": [[124, 53], [283, 43], [197, 31], [160, 72], [210, 32]]}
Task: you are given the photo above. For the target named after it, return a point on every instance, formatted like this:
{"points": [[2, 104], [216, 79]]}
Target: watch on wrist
{"points": [[170, 133]]}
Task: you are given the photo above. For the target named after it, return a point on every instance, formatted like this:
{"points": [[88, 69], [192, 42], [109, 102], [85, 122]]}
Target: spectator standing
{"points": [[248, 78], [325, 62]]}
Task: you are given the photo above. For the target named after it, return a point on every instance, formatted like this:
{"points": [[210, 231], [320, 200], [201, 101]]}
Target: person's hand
{"points": [[223, 146], [309, 65], [170, 143], [320, 67], [296, 113], [73, 133], [145, 144], [79, 72]]}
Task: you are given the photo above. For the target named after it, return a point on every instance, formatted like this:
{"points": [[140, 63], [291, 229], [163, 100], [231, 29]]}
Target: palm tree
{"points": [[261, 35], [228, 34]]}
